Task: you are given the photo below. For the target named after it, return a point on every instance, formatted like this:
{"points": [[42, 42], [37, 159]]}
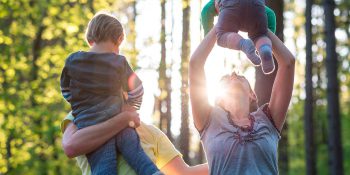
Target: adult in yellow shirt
{"points": [[77, 143]]}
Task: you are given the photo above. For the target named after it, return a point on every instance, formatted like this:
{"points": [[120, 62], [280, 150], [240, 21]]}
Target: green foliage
{"points": [[295, 117], [35, 39], [296, 139]]}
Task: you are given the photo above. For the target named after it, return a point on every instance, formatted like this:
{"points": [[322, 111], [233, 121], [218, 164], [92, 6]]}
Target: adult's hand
{"points": [[133, 118], [78, 142], [134, 121]]}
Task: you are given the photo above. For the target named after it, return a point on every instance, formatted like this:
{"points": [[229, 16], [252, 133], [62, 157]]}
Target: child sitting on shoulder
{"points": [[93, 83]]}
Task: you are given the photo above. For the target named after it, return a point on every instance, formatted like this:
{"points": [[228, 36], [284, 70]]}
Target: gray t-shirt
{"points": [[231, 150]]}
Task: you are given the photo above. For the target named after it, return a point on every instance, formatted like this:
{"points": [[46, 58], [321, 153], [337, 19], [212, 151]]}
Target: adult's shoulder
{"points": [[67, 119], [264, 112], [149, 128], [217, 117], [149, 133]]}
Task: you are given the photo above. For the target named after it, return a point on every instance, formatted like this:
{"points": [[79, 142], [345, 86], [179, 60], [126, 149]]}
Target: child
{"points": [[245, 15], [93, 83]]}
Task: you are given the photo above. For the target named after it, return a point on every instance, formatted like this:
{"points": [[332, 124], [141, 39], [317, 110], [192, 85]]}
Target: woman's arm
{"points": [[198, 90], [177, 166], [283, 86], [78, 142]]}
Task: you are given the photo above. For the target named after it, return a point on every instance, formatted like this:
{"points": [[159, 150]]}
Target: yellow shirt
{"points": [[153, 141]]}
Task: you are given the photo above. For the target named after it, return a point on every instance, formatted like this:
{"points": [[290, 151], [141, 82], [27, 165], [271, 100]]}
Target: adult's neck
{"points": [[105, 47], [239, 110]]}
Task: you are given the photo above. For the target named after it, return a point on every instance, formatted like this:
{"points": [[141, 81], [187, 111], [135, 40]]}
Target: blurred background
{"points": [[36, 36]]}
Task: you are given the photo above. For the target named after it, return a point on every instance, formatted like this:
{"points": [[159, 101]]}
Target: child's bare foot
{"points": [[265, 52], [247, 46]]}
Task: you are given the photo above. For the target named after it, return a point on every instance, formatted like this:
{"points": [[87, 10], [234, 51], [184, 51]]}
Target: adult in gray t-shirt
{"points": [[233, 150], [238, 137]]}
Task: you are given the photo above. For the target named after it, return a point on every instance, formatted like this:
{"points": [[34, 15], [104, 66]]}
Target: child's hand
{"points": [[133, 118], [127, 107], [217, 7]]}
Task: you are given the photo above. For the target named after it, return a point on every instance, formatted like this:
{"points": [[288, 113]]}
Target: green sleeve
{"points": [[271, 19], [207, 16]]}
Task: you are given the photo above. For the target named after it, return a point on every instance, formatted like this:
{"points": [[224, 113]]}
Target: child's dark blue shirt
{"points": [[93, 83]]}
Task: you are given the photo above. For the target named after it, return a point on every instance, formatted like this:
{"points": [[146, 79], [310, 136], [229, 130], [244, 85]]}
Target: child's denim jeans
{"points": [[104, 160]]}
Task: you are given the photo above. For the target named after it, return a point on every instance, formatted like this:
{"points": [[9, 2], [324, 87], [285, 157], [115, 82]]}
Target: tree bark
{"points": [[164, 81], [264, 83], [134, 50], [185, 51], [308, 115], [333, 111], [91, 6]]}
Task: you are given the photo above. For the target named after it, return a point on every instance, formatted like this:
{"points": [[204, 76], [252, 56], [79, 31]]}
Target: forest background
{"points": [[37, 35]]}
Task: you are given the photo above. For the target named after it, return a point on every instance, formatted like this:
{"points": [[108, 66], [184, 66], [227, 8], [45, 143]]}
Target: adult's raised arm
{"points": [[197, 80], [283, 86], [78, 142]]}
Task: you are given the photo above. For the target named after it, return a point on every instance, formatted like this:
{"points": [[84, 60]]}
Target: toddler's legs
{"points": [[104, 159], [265, 51], [257, 31], [227, 28], [235, 41], [128, 144]]}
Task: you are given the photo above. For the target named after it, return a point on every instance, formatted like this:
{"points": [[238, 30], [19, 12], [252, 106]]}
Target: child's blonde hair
{"points": [[103, 27]]}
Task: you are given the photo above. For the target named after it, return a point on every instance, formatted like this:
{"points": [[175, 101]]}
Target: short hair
{"points": [[103, 27]]}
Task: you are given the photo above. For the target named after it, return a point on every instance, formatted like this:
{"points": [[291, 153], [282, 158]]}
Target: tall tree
{"points": [[263, 83], [185, 52], [263, 86], [308, 106], [130, 50], [164, 81], [333, 111]]}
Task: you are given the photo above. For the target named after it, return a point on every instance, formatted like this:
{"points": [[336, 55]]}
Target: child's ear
{"points": [[91, 43], [120, 39]]}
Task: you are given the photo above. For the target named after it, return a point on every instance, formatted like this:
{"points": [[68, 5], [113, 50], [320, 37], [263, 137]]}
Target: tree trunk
{"points": [[200, 154], [36, 53], [164, 82], [91, 6], [134, 54], [185, 51], [5, 87], [308, 119], [130, 50], [334, 135], [162, 70], [168, 111], [264, 83]]}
